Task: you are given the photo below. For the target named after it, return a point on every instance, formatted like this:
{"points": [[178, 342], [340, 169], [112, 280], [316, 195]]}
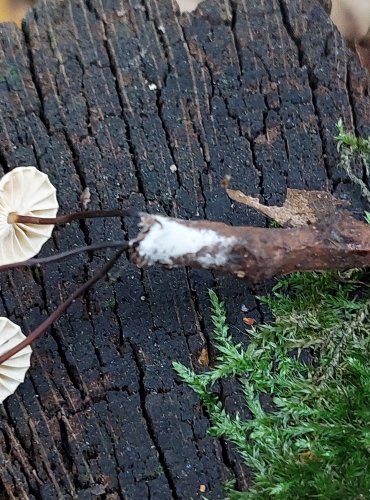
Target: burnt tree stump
{"points": [[151, 109]]}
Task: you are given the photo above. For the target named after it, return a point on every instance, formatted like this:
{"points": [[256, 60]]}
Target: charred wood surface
{"points": [[150, 109]]}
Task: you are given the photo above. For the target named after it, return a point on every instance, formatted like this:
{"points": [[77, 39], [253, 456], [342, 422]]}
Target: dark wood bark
{"points": [[110, 95]]}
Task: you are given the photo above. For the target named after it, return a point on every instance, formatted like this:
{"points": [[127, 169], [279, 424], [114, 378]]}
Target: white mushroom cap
{"points": [[13, 371], [25, 191]]}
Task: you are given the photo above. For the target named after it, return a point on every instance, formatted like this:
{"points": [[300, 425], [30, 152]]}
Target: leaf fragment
{"points": [[301, 208]]}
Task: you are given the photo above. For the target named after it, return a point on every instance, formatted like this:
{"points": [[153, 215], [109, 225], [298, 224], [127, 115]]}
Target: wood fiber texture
{"points": [[110, 94]]}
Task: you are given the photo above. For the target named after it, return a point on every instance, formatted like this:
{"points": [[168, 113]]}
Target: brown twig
{"points": [[256, 254], [59, 311]]}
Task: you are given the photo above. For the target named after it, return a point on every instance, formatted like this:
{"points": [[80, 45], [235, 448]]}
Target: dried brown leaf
{"points": [[203, 358], [14, 10], [299, 209], [249, 321]]}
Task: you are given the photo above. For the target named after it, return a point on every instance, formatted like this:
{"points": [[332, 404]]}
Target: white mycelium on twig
{"points": [[167, 241]]}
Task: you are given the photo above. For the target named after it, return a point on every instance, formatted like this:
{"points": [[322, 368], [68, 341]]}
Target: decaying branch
{"points": [[323, 236], [256, 254]]}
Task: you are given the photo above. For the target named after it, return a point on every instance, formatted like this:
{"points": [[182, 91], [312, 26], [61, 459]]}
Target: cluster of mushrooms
{"points": [[28, 191], [28, 214], [28, 209]]}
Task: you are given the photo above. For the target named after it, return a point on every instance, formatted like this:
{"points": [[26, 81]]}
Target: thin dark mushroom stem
{"points": [[63, 255], [60, 310], [14, 218]]}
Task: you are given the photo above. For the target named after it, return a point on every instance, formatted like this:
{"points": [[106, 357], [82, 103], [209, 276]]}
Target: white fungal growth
{"points": [[166, 241]]}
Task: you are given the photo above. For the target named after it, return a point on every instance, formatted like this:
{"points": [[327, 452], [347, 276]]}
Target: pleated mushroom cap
{"points": [[13, 371], [25, 191]]}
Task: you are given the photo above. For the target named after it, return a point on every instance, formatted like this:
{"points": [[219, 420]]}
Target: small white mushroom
{"points": [[25, 191], [13, 371]]}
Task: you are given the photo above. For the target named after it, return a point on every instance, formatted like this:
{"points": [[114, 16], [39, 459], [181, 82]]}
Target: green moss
{"points": [[316, 441]]}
